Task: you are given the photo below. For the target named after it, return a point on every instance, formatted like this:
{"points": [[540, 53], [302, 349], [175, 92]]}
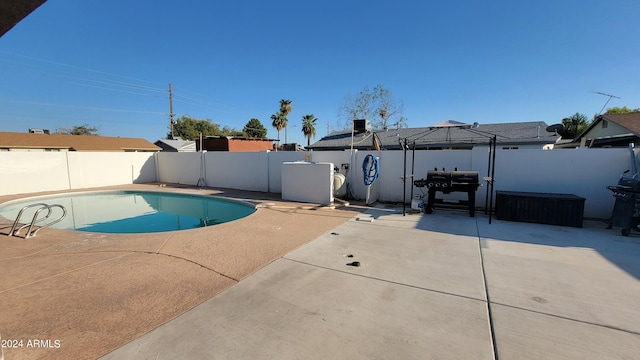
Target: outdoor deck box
{"points": [[541, 208]]}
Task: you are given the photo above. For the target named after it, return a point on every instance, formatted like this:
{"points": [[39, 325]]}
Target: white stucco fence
{"points": [[27, 172], [583, 172]]}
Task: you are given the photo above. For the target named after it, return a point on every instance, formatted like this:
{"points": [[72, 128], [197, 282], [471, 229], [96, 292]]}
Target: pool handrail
{"points": [[35, 219]]}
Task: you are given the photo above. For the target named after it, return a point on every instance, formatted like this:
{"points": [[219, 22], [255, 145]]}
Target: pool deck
{"points": [[278, 285]]}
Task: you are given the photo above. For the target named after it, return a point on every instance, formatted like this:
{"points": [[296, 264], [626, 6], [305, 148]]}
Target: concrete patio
{"points": [[281, 284], [440, 286]]}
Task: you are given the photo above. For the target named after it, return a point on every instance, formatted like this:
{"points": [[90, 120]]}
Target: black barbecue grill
{"points": [[627, 193], [627, 204], [448, 182]]}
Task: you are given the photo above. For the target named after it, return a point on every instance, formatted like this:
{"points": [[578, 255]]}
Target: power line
{"points": [[84, 107], [106, 88], [111, 82], [77, 76], [193, 98], [76, 67], [70, 119]]}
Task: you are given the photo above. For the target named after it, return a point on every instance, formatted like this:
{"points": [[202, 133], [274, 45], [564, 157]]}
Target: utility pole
{"points": [[171, 109]]}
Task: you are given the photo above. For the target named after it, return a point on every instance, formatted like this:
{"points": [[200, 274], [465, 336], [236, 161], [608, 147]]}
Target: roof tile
{"points": [[443, 134], [74, 142]]}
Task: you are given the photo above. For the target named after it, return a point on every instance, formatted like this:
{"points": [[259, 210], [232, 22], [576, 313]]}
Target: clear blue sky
{"points": [[109, 63]]}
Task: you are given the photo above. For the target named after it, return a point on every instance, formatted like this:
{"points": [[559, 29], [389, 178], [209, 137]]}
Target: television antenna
{"points": [[609, 99]]}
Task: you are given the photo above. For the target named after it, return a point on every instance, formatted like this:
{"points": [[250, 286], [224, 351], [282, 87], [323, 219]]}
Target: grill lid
{"points": [[464, 177], [449, 179], [438, 178], [630, 181]]}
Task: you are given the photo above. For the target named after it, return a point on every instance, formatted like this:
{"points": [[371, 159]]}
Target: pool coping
{"points": [[37, 198]]}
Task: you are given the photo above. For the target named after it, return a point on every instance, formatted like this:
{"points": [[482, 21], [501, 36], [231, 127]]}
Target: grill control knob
{"points": [[437, 184], [444, 185], [430, 185]]}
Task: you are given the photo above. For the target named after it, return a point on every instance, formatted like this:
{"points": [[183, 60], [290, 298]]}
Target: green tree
{"points": [[254, 128], [573, 125], [190, 128], [377, 105], [285, 109], [229, 131], [278, 122], [309, 127], [621, 110], [79, 130]]}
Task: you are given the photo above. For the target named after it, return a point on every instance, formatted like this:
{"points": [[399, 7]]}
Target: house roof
{"points": [[178, 144], [240, 138], [13, 11], [630, 121], [445, 134], [74, 142]]}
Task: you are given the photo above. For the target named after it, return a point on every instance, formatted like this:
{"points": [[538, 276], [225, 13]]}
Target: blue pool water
{"points": [[135, 211]]}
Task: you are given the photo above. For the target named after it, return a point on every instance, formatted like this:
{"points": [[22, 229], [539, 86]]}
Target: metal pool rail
{"points": [[30, 231]]}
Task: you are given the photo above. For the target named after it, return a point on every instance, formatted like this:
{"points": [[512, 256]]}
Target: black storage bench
{"points": [[541, 208]]}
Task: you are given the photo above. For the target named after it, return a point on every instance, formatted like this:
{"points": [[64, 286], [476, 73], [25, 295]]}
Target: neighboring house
{"points": [[445, 135], [609, 130], [234, 144], [291, 147], [11, 141], [176, 145]]}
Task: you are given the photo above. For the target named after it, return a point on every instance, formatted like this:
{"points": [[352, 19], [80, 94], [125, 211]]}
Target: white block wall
{"points": [[108, 168], [583, 172], [240, 170], [25, 172], [179, 168], [28, 172], [275, 166]]}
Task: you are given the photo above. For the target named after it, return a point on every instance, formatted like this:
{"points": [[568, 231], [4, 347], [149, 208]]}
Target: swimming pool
{"points": [[134, 211]]}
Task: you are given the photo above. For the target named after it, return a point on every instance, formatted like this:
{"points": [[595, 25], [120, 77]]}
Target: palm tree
{"points": [[279, 122], [309, 127], [285, 109]]}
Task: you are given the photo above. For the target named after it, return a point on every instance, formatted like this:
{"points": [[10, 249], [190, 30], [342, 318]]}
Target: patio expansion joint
{"points": [[181, 258], [492, 331], [490, 303], [123, 254], [386, 281], [193, 262], [61, 273], [164, 243], [35, 253], [610, 327]]}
